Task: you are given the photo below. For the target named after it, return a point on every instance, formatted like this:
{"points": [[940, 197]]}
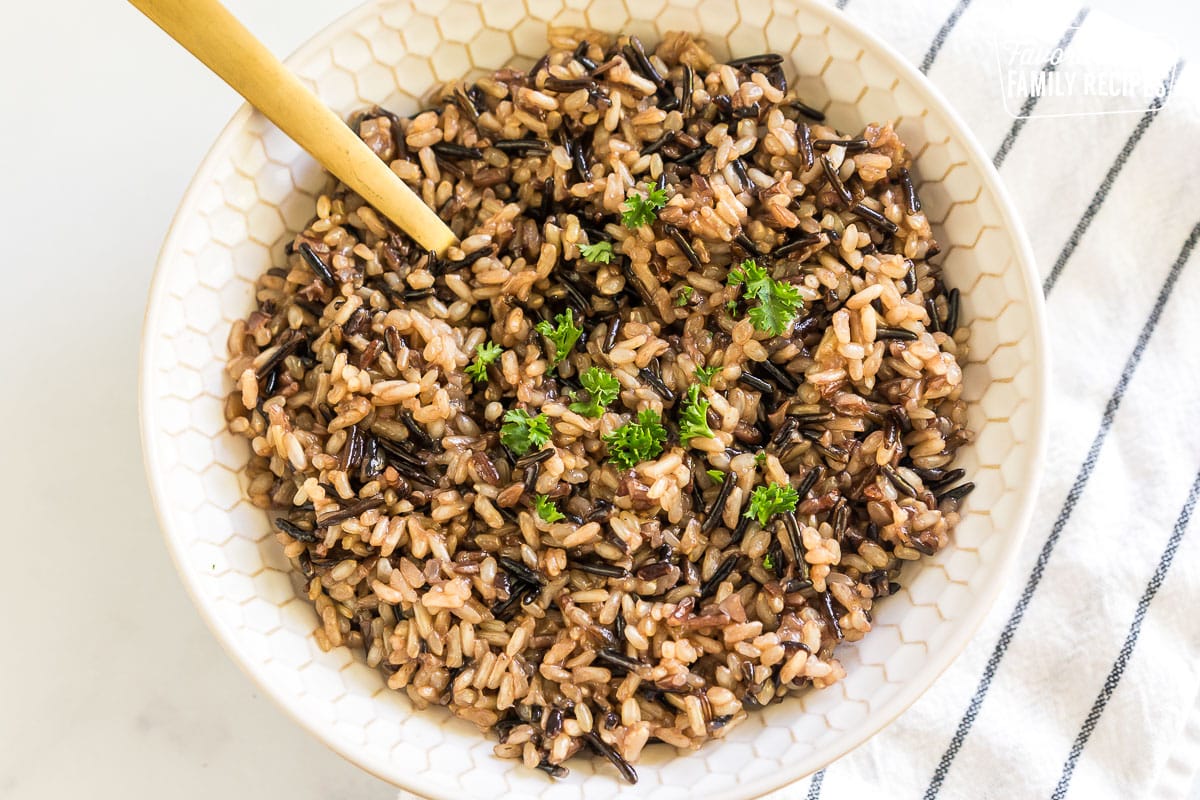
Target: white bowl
{"points": [[256, 186]]}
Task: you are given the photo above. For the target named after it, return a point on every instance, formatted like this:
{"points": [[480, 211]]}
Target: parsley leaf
{"points": [[760, 457], [716, 475], [638, 210], [705, 374], [602, 389], [522, 432], [768, 562], [777, 302], [598, 253], [637, 441], [767, 501], [693, 420], [685, 294], [547, 510], [564, 333], [750, 274], [485, 354]]}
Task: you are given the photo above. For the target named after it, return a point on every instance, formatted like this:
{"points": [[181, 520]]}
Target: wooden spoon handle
{"points": [[224, 45]]}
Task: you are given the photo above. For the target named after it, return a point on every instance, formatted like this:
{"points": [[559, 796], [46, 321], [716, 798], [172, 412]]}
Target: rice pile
{"points": [[533, 586]]}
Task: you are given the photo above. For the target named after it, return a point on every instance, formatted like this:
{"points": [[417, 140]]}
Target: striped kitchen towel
{"points": [[1085, 680]]}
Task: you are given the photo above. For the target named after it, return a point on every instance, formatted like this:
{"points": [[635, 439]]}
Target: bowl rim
{"points": [[908, 693]]}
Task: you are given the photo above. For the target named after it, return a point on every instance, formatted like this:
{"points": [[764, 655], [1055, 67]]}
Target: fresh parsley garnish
{"points": [[598, 253], [602, 389], [636, 441], [547, 510], [760, 457], [521, 432], [564, 333], [693, 420], [705, 374], [777, 303], [485, 354], [639, 210], [768, 562], [716, 475], [731, 307], [767, 501], [685, 294]]}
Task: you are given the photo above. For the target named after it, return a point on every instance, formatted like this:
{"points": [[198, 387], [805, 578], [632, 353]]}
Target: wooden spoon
{"points": [[224, 45]]}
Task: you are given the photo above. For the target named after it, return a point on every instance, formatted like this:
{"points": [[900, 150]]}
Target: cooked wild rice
{"points": [[655, 609]]}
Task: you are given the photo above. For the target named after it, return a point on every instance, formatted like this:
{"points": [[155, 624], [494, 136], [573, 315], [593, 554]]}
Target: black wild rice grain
{"points": [[835, 182], [523, 147], [521, 572], [851, 145], [786, 382], [943, 478], [289, 343], [827, 598], [643, 64], [748, 247], [788, 248], [569, 84], [316, 264], [740, 169], [457, 151], [657, 144], [911, 200], [418, 432], [957, 493], [581, 55], [812, 418], [786, 431], [554, 721], [792, 526], [468, 259], [910, 277], [902, 486], [810, 480], [619, 660], [935, 324], [806, 146], [694, 155], [600, 568], [722, 572], [746, 112], [760, 60], [296, 532], [874, 218], [682, 243], [536, 457], [898, 334], [713, 515], [604, 749], [532, 472], [756, 383], [952, 305], [808, 111], [656, 383], [352, 510]]}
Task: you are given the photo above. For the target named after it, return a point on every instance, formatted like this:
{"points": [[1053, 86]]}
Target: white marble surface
{"points": [[111, 685]]}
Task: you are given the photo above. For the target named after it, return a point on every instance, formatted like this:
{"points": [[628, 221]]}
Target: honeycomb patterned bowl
{"points": [[256, 186]]}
